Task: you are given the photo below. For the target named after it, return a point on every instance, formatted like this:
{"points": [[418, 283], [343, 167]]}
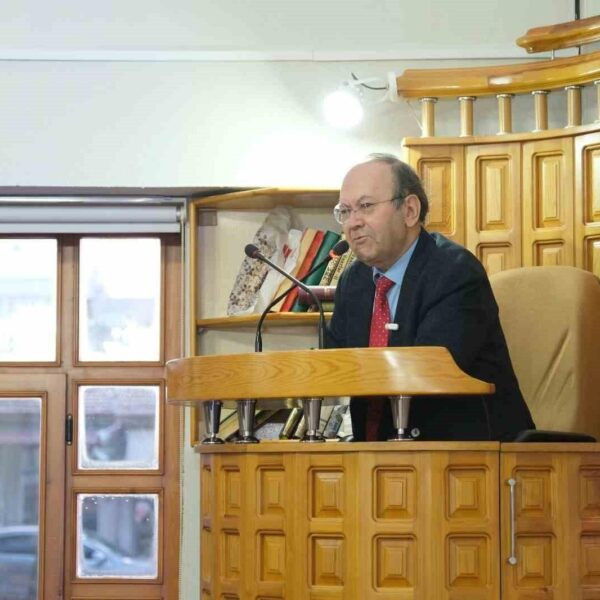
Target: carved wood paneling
{"points": [[402, 524], [441, 169], [207, 539], [493, 205], [557, 505], [350, 525], [395, 559], [587, 202], [548, 204], [527, 199], [326, 498], [431, 510]]}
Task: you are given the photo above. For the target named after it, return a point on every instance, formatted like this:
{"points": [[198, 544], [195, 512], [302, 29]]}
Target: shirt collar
{"points": [[397, 270]]}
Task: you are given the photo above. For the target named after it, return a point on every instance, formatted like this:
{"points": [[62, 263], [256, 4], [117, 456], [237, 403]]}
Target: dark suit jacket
{"points": [[445, 300]]}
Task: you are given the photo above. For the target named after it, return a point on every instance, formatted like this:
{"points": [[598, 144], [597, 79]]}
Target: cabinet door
{"points": [[587, 202], [441, 168], [493, 205], [550, 538], [548, 203]]}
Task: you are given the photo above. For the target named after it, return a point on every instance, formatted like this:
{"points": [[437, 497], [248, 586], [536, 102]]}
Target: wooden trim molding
{"points": [[561, 35], [505, 79]]}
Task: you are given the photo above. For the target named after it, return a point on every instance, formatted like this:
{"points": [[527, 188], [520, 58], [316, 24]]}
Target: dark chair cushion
{"points": [[538, 435]]}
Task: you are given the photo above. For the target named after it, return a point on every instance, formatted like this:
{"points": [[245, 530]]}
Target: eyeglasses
{"points": [[342, 212]]}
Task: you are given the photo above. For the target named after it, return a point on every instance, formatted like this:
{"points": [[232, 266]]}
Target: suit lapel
{"points": [[423, 249], [359, 324]]}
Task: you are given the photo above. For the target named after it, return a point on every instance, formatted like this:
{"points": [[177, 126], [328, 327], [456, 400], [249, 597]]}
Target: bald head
{"points": [[379, 224]]}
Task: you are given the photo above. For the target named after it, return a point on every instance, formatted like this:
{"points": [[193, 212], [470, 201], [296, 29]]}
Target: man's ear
{"points": [[412, 210]]}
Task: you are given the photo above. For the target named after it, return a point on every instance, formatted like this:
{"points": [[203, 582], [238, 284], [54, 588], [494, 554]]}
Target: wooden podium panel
{"points": [[557, 519], [401, 521], [350, 521]]}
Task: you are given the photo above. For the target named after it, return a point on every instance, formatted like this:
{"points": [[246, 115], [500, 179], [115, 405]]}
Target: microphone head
{"points": [[251, 251], [340, 248]]}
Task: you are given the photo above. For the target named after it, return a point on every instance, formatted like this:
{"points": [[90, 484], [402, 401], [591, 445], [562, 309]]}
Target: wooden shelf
{"points": [[267, 198], [273, 319]]}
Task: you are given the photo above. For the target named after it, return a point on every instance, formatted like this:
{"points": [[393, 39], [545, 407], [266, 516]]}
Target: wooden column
{"points": [[428, 116], [597, 84], [466, 115], [573, 105], [540, 98], [504, 113]]}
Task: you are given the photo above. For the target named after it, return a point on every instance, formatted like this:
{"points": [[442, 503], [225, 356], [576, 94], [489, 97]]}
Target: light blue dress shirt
{"points": [[396, 274]]}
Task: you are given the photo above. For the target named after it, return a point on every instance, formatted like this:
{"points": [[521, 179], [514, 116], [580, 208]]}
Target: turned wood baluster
{"points": [[540, 98], [573, 105], [466, 115], [428, 116], [504, 113]]}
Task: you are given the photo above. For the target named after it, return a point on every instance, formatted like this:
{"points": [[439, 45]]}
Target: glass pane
{"points": [[28, 284], [119, 299], [117, 535], [19, 497], [118, 427]]}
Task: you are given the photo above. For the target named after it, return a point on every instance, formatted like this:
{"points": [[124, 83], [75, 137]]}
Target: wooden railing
{"points": [[538, 79], [562, 35], [522, 198]]}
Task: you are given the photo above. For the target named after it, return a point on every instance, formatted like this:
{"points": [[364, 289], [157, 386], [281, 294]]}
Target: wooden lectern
{"points": [[382, 520]]}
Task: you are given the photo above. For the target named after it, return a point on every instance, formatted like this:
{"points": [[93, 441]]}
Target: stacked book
{"points": [[315, 245]]}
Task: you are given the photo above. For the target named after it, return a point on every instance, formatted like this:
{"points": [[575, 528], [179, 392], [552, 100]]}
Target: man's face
{"points": [[379, 238]]}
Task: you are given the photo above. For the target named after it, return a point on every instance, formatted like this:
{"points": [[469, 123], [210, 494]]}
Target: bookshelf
{"points": [[219, 228]]}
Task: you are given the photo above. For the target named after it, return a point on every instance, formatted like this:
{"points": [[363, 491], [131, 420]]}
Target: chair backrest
{"points": [[551, 320]]}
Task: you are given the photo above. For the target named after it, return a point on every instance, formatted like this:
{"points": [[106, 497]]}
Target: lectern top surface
{"points": [[411, 371]]}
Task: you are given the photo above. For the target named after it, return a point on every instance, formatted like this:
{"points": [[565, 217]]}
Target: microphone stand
{"points": [[253, 252], [339, 249]]}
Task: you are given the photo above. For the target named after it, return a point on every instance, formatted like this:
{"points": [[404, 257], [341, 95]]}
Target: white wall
{"points": [[195, 124], [204, 123], [476, 27]]}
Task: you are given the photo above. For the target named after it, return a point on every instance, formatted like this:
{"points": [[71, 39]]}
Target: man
{"points": [[438, 295]]}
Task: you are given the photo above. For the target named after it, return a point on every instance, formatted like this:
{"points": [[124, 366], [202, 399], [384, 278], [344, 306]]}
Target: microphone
{"points": [[253, 252]]}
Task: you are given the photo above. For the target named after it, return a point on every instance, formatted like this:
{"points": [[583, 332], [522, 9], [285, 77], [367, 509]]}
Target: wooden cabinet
{"points": [[517, 199], [556, 521], [351, 521], [416, 521]]}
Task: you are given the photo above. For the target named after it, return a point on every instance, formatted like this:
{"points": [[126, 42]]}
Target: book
{"points": [[291, 423], [335, 420], [305, 267], [345, 261], [330, 239], [306, 241], [331, 267], [329, 270], [325, 293]]}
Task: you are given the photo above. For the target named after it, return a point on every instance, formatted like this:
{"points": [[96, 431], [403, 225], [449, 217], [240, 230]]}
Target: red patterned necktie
{"points": [[378, 337]]}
